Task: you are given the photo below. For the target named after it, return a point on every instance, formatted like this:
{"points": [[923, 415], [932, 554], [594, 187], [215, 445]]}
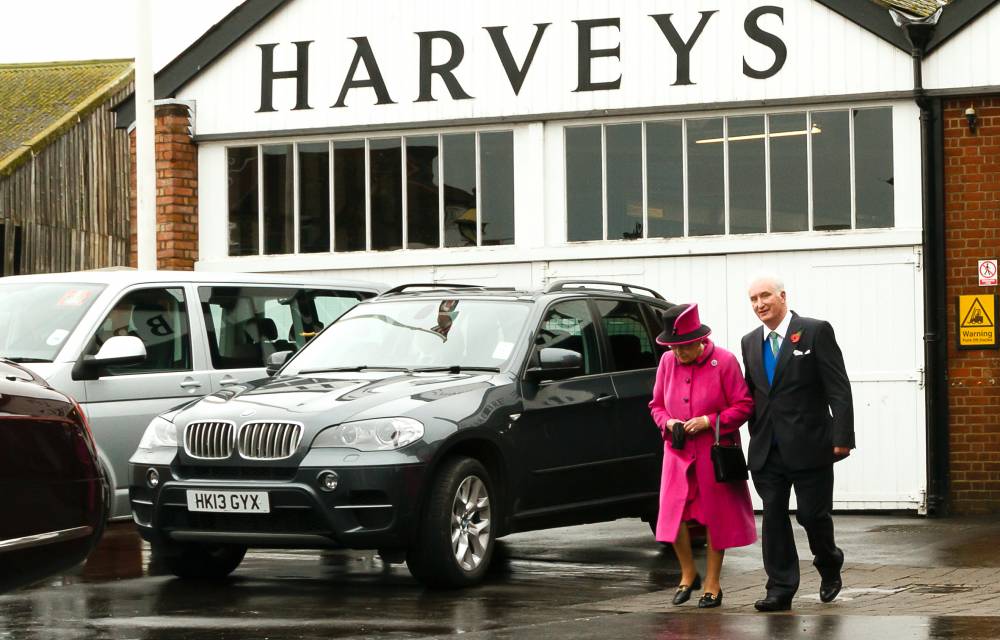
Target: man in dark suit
{"points": [[803, 422]]}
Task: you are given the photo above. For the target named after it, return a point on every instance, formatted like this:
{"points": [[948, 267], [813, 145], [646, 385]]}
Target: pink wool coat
{"points": [[710, 385]]}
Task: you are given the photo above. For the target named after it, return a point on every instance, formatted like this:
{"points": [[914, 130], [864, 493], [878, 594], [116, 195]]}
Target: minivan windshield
{"points": [[417, 334], [37, 317]]}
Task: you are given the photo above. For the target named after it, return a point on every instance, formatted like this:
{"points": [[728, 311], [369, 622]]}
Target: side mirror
{"points": [[556, 363], [116, 351], [277, 360]]}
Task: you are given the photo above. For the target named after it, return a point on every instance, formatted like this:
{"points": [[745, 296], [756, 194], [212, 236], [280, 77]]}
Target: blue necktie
{"points": [[770, 359]]}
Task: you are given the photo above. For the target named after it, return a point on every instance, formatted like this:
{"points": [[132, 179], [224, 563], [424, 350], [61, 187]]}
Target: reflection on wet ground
{"points": [[540, 587]]}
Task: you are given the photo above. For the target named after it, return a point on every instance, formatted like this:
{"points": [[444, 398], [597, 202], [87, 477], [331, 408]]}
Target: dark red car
{"points": [[53, 494]]}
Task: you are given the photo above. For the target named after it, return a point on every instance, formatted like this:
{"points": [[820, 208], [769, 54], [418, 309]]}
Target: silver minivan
{"points": [[129, 345]]}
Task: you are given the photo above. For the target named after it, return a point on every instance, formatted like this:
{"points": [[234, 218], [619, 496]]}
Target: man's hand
{"points": [[694, 425], [841, 452]]}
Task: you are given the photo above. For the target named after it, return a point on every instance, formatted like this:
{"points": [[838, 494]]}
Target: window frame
{"points": [[366, 138], [808, 112], [531, 359], [611, 364]]}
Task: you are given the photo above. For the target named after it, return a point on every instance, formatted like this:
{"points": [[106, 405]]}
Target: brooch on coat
{"points": [[715, 363]]}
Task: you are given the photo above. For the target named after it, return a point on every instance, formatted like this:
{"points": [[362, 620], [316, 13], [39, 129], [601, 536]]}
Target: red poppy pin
{"points": [[795, 337]]}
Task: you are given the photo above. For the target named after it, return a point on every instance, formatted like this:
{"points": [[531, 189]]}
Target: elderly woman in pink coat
{"points": [[695, 382]]}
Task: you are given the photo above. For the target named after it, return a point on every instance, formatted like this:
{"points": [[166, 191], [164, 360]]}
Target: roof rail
{"points": [[443, 285], [561, 285]]}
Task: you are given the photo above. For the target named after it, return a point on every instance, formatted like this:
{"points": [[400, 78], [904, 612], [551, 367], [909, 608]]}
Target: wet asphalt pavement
{"points": [[543, 585]]}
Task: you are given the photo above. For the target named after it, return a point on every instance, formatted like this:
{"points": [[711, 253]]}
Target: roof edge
{"points": [[204, 51], [85, 107], [871, 17], [63, 63], [956, 17]]}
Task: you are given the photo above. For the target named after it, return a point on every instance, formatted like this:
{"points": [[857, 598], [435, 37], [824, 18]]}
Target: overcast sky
{"points": [[49, 30]]}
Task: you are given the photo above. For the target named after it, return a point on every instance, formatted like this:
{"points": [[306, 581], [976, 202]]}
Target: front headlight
{"points": [[159, 433], [382, 434]]}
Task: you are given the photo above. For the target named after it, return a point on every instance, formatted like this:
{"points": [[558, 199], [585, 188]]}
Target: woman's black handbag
{"points": [[727, 459]]}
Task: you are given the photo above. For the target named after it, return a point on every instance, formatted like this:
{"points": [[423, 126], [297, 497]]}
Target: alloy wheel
{"points": [[470, 523]]}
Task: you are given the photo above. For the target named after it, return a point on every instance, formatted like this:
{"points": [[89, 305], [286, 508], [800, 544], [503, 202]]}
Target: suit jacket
{"points": [[808, 408]]}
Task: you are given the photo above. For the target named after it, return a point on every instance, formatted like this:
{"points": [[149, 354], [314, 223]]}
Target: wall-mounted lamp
{"points": [[972, 119]]}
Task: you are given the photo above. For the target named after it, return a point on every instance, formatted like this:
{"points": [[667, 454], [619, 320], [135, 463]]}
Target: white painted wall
{"points": [[968, 59], [827, 56]]}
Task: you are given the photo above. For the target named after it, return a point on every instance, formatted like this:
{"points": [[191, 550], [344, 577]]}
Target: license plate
{"points": [[228, 501]]}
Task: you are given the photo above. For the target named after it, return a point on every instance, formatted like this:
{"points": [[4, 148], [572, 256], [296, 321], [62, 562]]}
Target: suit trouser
{"points": [[814, 497]]}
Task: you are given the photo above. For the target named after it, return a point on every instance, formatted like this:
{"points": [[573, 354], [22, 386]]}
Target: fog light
{"points": [[328, 480], [153, 478]]}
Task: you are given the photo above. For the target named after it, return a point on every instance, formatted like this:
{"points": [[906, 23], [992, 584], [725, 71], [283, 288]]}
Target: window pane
{"points": [[706, 179], [624, 149], [159, 318], [831, 153], [583, 184], [242, 170], [387, 193], [496, 176], [631, 345], [460, 190], [873, 168], [314, 197], [665, 175], [422, 203], [789, 172], [568, 325], [747, 176], [349, 195], [278, 193]]}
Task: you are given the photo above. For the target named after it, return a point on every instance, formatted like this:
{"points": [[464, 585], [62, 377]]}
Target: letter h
{"points": [[300, 73]]}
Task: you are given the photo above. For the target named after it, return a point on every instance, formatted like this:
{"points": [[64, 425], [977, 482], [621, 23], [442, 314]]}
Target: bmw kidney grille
{"points": [[269, 440], [209, 440]]}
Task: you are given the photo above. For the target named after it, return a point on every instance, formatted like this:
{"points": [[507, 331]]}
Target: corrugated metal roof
{"points": [[916, 8], [39, 100]]}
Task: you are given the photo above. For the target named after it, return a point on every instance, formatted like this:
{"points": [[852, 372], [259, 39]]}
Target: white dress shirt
{"points": [[781, 330]]}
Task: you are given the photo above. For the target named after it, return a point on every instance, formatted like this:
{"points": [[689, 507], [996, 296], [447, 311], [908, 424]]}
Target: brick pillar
{"points": [[176, 190], [972, 232]]}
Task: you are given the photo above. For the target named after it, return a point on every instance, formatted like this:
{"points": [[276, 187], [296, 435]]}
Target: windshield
{"points": [[417, 334], [37, 317]]}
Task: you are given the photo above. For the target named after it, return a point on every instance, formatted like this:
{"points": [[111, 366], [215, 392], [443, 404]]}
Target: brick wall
{"points": [[972, 232], [176, 190]]}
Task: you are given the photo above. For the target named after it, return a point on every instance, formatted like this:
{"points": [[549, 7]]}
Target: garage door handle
{"points": [[190, 384], [604, 399]]}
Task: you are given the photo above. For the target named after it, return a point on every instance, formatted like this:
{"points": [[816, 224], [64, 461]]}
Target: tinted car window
{"points": [[247, 324], [159, 318], [568, 325], [628, 337]]}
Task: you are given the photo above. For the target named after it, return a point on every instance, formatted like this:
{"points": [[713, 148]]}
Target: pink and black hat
{"points": [[681, 325]]}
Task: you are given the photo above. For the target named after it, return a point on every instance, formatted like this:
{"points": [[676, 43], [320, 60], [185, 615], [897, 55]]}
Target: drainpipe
{"points": [[918, 33]]}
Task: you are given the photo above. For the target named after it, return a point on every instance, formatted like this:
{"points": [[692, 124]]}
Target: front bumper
{"points": [[372, 507]]}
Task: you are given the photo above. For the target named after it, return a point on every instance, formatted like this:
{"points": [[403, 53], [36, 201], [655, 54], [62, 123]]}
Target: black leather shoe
{"points": [[828, 589], [684, 591], [773, 603], [710, 600]]}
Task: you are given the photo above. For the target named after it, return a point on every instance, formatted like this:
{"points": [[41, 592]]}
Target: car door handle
{"points": [[190, 384], [601, 399], [228, 380]]}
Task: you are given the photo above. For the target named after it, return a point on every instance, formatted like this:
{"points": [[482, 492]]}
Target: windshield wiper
{"points": [[22, 360], [455, 368], [360, 367]]}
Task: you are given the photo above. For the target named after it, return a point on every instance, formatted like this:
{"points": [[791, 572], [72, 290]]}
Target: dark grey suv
{"points": [[424, 423]]}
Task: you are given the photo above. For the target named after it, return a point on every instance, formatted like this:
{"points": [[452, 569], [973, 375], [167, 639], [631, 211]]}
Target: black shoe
{"points": [[684, 591], [828, 589], [773, 603], [710, 600]]}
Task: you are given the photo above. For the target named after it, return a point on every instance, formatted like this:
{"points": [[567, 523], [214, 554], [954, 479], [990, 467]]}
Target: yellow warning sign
{"points": [[977, 322]]}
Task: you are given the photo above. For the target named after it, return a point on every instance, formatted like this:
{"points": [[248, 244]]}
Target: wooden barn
{"points": [[64, 168]]}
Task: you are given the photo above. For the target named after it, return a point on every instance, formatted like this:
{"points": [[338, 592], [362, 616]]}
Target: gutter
{"points": [[919, 33]]}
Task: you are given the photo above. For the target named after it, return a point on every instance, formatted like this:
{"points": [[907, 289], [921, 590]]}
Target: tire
{"points": [[435, 560], [197, 561]]}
